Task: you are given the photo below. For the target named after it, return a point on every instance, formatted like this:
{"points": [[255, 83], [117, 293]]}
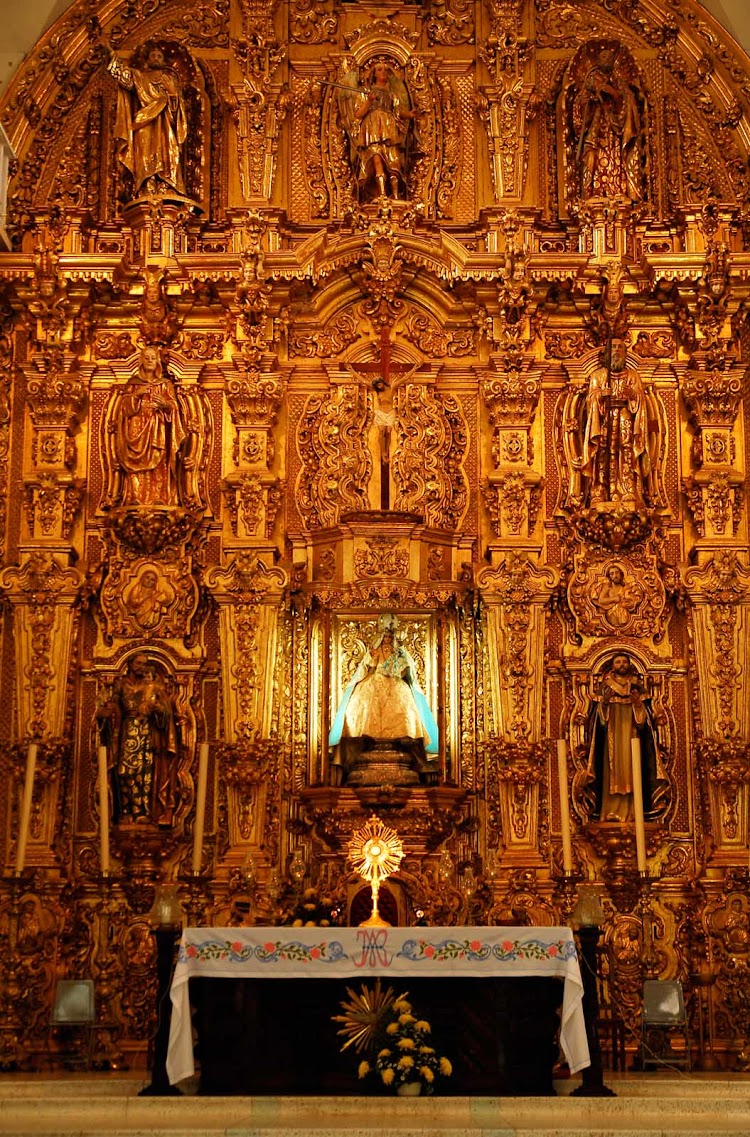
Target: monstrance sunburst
{"points": [[375, 850]]}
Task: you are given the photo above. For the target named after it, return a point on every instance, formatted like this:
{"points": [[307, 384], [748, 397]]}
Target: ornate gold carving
{"points": [[312, 22], [42, 595], [206, 24], [382, 557], [450, 22], [336, 464], [727, 761], [144, 597], [55, 389], [715, 503], [437, 342], [247, 592], [253, 504], [254, 397], [428, 466], [515, 594], [246, 765], [259, 105], [518, 767], [719, 590], [52, 504], [612, 596], [335, 337]]}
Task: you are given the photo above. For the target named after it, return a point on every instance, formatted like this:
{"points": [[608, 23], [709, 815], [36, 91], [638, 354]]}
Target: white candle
{"points": [[103, 811], [200, 807], [25, 818], [640, 821], [562, 777]]}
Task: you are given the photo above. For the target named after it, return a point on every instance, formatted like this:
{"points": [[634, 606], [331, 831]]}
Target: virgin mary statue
{"points": [[384, 702]]}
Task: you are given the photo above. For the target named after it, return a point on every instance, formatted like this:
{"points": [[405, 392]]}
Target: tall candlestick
{"points": [[103, 810], [640, 821], [562, 777], [200, 808], [25, 818]]}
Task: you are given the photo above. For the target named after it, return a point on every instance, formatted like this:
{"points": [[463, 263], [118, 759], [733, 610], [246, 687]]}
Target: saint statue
{"points": [[616, 437], [138, 725], [151, 124], [608, 131], [148, 439], [384, 703], [379, 123], [619, 713]]}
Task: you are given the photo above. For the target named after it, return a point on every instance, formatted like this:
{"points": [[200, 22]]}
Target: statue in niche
{"points": [[619, 713], [384, 708], [379, 122], [615, 435], [151, 124], [156, 437], [608, 130], [138, 724]]}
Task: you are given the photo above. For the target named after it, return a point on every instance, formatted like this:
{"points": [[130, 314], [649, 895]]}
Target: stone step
{"points": [[109, 1106]]}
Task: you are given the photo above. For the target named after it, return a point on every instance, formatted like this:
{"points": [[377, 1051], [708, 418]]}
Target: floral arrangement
{"points": [[397, 1041], [312, 909]]}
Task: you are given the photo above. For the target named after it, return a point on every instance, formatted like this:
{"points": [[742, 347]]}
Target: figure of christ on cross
{"points": [[384, 369]]}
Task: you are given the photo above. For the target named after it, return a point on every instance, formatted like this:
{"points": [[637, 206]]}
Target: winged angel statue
{"points": [[379, 121]]}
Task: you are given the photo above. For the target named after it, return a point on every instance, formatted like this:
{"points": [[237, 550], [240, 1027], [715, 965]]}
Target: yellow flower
{"points": [[445, 1067], [401, 1005], [406, 1062], [392, 1028], [426, 1050], [405, 1018], [364, 1069], [422, 1026], [385, 1053], [296, 923], [387, 1076], [427, 1073], [406, 1044]]}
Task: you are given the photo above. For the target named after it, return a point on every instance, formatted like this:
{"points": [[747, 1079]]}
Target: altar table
{"points": [[401, 955]]}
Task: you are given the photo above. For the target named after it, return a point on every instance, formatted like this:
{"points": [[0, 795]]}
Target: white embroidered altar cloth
{"points": [[346, 953]]}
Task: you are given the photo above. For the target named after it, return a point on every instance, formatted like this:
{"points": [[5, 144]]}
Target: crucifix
{"points": [[383, 369]]}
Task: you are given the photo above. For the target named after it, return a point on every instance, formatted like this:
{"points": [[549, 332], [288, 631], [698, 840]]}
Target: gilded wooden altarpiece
{"points": [[282, 378]]}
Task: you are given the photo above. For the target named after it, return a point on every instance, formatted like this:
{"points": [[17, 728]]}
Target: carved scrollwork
{"points": [[450, 22], [428, 466], [381, 558], [336, 464], [312, 22], [332, 340]]}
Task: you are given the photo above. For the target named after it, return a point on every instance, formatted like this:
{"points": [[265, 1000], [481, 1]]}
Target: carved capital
{"points": [[55, 391], [712, 398]]}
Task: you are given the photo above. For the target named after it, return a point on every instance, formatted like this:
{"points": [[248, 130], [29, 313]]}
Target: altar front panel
{"points": [[365, 953]]}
